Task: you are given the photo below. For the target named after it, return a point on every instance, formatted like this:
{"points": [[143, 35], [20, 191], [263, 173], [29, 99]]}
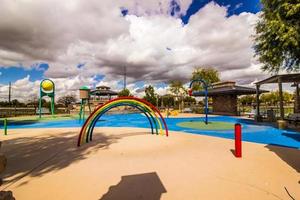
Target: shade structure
{"points": [[293, 78], [153, 115]]}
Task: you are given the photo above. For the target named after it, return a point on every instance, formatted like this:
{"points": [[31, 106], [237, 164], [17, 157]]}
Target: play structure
{"points": [[205, 87], [151, 112], [47, 88], [84, 95]]}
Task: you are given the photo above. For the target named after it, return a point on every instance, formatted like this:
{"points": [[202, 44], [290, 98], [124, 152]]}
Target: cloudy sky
{"points": [[89, 42]]}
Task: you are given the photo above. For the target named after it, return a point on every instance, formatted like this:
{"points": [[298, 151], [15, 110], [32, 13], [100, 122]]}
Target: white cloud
{"points": [[24, 89], [154, 46]]}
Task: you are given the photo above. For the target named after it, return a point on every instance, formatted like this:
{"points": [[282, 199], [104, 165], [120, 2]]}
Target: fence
{"points": [[11, 112], [19, 111]]}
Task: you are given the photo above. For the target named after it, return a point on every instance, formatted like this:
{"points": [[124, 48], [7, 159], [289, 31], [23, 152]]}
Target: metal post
{"points": [[257, 103], [52, 105], [125, 77], [5, 126], [88, 101], [206, 105], [83, 109], [238, 140], [40, 107], [80, 112], [9, 94], [280, 99]]}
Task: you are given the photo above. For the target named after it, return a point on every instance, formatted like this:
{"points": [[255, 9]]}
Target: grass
{"points": [[210, 126]]}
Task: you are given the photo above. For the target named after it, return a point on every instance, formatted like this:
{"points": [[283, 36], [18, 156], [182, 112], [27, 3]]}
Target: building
{"points": [[224, 96], [102, 94]]}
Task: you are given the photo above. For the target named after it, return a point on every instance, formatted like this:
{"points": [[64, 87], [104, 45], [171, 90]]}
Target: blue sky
{"points": [[234, 7], [14, 73], [11, 73]]}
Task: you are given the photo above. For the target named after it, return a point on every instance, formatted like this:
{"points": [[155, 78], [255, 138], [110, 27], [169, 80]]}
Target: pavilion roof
{"points": [[284, 78], [98, 92], [229, 90]]}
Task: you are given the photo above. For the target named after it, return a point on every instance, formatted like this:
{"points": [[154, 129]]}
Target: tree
{"points": [[277, 39], [33, 102], [272, 98], [166, 100], [17, 103], [124, 93], [150, 95], [177, 88], [67, 100], [189, 100], [209, 75], [247, 100]]}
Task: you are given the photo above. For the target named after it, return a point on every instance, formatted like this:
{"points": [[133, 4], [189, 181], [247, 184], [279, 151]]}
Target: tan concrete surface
{"points": [[127, 163]]}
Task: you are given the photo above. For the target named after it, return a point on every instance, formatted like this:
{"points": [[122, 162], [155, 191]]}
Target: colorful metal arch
{"points": [[151, 112], [191, 93]]}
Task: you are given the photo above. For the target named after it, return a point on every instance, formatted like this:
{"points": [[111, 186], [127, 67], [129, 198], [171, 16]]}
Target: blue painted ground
{"points": [[252, 132]]}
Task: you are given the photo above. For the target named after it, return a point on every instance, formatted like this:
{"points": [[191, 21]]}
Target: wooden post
{"points": [[257, 103], [281, 108], [297, 106]]}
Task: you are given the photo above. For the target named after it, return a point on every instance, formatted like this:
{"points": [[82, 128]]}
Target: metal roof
{"points": [[98, 92], [285, 78], [84, 88], [229, 90]]}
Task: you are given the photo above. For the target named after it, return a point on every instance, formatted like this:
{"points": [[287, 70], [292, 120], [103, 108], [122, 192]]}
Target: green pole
{"points": [[52, 105], [89, 105], [80, 112], [83, 109], [40, 107], [5, 126]]}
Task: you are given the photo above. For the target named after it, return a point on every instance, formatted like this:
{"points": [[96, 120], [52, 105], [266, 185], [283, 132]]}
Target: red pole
{"points": [[238, 140]]}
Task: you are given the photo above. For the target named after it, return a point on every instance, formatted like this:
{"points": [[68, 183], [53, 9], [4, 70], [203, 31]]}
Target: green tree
{"points": [[166, 100], [150, 95], [209, 75], [124, 93], [177, 88], [272, 98], [17, 103], [277, 39], [247, 100], [189, 100], [66, 100]]}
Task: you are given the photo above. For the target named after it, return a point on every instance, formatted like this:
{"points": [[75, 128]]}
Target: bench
{"points": [[294, 118]]}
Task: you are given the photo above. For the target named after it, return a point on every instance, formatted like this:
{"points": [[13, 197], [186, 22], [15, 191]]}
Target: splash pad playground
{"points": [[55, 166], [151, 112]]}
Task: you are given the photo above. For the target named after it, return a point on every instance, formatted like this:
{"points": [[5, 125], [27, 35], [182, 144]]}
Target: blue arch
{"points": [[204, 83]]}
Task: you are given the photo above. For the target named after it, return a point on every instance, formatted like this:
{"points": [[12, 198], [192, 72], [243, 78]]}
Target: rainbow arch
{"points": [[153, 115]]}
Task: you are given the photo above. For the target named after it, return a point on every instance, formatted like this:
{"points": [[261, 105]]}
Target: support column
{"points": [[280, 98], [296, 104], [257, 116]]}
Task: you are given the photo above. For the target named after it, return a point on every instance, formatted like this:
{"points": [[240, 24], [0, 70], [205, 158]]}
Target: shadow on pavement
{"points": [[289, 155], [37, 155], [136, 187]]}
